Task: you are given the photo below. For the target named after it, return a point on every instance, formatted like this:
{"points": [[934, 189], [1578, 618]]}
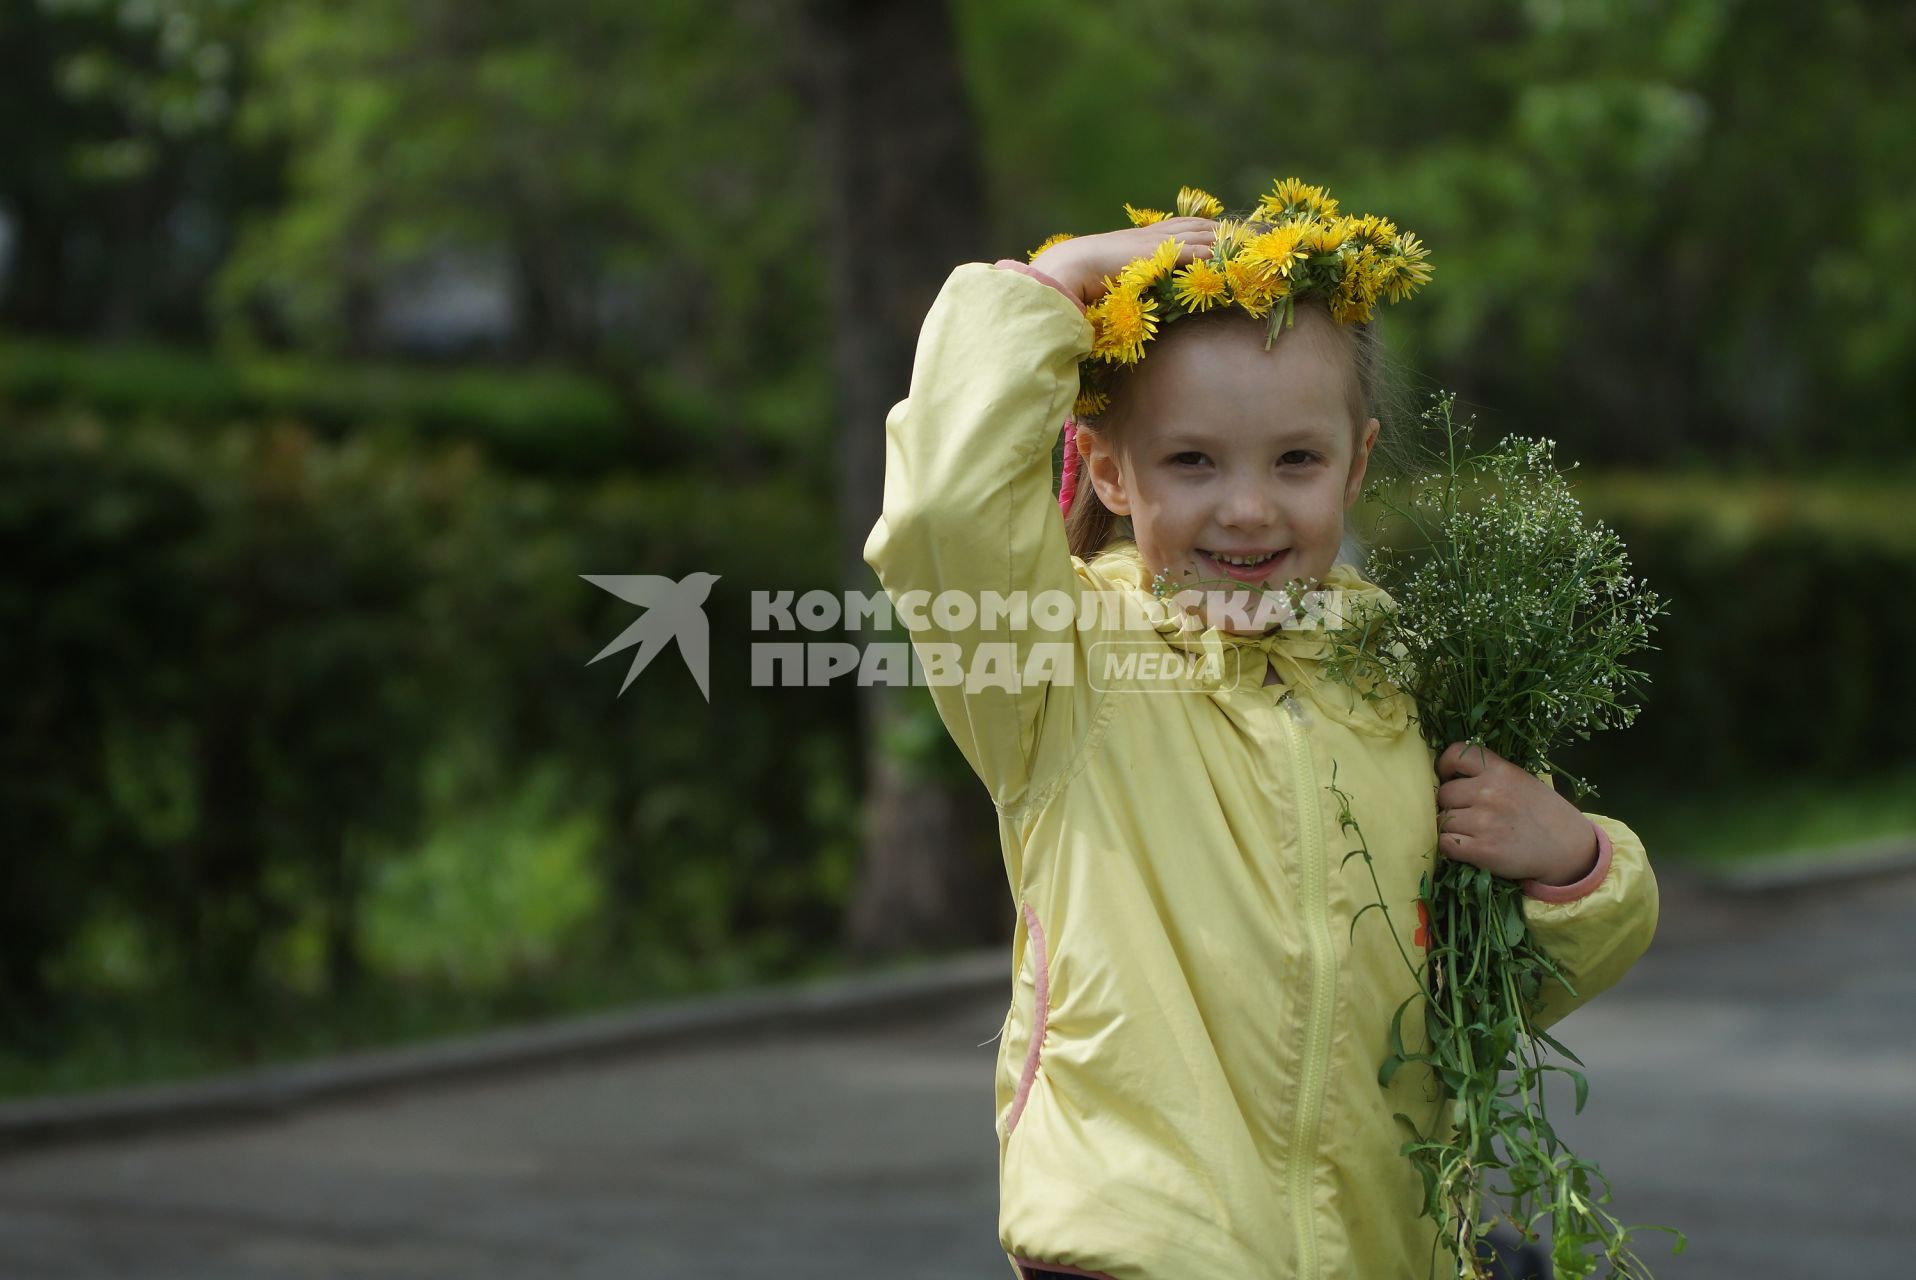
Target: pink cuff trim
{"points": [[1040, 276], [1579, 888]]}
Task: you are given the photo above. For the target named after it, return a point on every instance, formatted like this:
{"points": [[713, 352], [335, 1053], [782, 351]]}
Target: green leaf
{"points": [[1373, 906], [1397, 1025], [1556, 1044]]}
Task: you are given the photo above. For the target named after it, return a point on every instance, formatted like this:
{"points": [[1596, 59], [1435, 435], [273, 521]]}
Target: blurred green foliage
{"points": [[1763, 819], [1784, 653], [291, 713], [1663, 229], [534, 420]]}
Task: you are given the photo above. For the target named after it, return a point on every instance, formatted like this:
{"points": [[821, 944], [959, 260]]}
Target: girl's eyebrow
{"points": [[1313, 434]]}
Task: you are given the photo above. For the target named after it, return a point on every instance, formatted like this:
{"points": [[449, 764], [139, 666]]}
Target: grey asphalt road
{"points": [[1754, 1082]]}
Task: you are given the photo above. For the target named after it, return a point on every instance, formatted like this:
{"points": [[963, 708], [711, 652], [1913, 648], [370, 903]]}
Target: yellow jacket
{"points": [[1187, 1074]]}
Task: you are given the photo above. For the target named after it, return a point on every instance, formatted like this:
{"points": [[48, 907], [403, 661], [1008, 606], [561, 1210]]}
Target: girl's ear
{"points": [[1359, 464], [1106, 473]]}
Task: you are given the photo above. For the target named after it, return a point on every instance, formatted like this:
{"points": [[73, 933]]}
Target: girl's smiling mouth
{"points": [[1253, 572]]}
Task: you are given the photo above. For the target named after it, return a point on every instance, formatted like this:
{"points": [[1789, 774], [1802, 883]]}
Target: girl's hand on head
{"points": [[1499, 816], [1082, 262]]}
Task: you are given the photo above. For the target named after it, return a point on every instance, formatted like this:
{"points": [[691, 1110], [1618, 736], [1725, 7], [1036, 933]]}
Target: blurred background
{"points": [[337, 341]]}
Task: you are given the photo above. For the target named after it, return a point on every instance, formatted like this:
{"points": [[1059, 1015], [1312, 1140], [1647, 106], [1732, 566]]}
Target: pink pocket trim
{"points": [[1027, 1264], [1039, 1021]]}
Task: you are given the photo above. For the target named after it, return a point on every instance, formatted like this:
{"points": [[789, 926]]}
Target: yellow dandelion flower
{"points": [[1060, 238], [1277, 248], [1364, 274], [1325, 237], [1357, 287], [1412, 268], [1122, 321], [1142, 273], [1348, 310], [1385, 275], [1291, 197], [1144, 217], [1276, 290], [1090, 403], [1193, 203], [1201, 286], [1372, 229], [1253, 286], [1230, 233]]}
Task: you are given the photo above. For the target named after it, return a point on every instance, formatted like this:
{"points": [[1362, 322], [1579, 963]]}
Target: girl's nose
{"points": [[1249, 505]]}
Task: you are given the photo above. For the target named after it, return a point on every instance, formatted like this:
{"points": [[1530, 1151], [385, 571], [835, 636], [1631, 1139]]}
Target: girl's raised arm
{"points": [[969, 518]]}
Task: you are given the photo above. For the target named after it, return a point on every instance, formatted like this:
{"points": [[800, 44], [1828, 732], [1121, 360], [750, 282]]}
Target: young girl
{"points": [[1187, 1074]]}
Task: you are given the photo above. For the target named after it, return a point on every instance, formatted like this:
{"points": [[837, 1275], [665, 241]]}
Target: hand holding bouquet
{"points": [[1511, 627]]}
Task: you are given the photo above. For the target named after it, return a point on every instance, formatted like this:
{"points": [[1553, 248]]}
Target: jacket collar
{"points": [[1239, 662]]}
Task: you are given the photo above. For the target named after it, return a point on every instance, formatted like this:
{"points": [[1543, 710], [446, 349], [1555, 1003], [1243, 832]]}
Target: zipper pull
{"points": [[1290, 703]]}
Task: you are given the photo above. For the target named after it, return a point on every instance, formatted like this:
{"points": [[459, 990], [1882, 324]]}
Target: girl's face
{"points": [[1226, 449]]}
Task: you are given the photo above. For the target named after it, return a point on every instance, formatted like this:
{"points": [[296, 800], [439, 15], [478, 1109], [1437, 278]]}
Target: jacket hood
{"points": [[1297, 652]]}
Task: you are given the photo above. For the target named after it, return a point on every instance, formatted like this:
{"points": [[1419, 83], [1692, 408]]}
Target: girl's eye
{"points": [[1192, 458]]}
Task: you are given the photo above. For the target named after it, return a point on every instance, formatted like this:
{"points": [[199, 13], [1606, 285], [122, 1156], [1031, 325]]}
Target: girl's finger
{"points": [[1459, 793], [1463, 759], [1456, 822], [1457, 845], [1183, 227]]}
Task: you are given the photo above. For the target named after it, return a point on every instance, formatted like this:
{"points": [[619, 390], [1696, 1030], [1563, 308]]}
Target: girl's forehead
{"points": [[1225, 376]]}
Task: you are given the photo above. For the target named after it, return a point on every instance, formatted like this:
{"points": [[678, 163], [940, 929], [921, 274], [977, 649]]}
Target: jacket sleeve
{"points": [[969, 508], [1596, 937]]}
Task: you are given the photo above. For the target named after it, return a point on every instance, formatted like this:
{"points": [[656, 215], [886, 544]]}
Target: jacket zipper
{"points": [[1323, 982]]}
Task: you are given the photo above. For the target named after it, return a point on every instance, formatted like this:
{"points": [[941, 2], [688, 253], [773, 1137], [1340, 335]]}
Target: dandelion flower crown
{"points": [[1293, 245]]}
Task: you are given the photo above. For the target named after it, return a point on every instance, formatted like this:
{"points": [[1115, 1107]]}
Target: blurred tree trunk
{"points": [[905, 204]]}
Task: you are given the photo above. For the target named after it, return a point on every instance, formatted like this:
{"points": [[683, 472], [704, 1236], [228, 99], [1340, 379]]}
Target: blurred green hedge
{"points": [[1786, 649], [543, 421], [256, 673]]}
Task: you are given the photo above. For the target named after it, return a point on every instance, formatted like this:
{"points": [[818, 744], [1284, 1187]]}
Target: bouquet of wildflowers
{"points": [[1512, 626]]}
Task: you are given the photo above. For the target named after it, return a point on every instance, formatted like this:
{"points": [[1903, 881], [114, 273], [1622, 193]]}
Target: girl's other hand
{"points": [[1499, 816], [1081, 263]]}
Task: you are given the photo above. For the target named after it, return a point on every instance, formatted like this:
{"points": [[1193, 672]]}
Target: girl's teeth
{"points": [[1241, 563]]}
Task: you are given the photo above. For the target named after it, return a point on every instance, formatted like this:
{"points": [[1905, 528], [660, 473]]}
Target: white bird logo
{"points": [[673, 611]]}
